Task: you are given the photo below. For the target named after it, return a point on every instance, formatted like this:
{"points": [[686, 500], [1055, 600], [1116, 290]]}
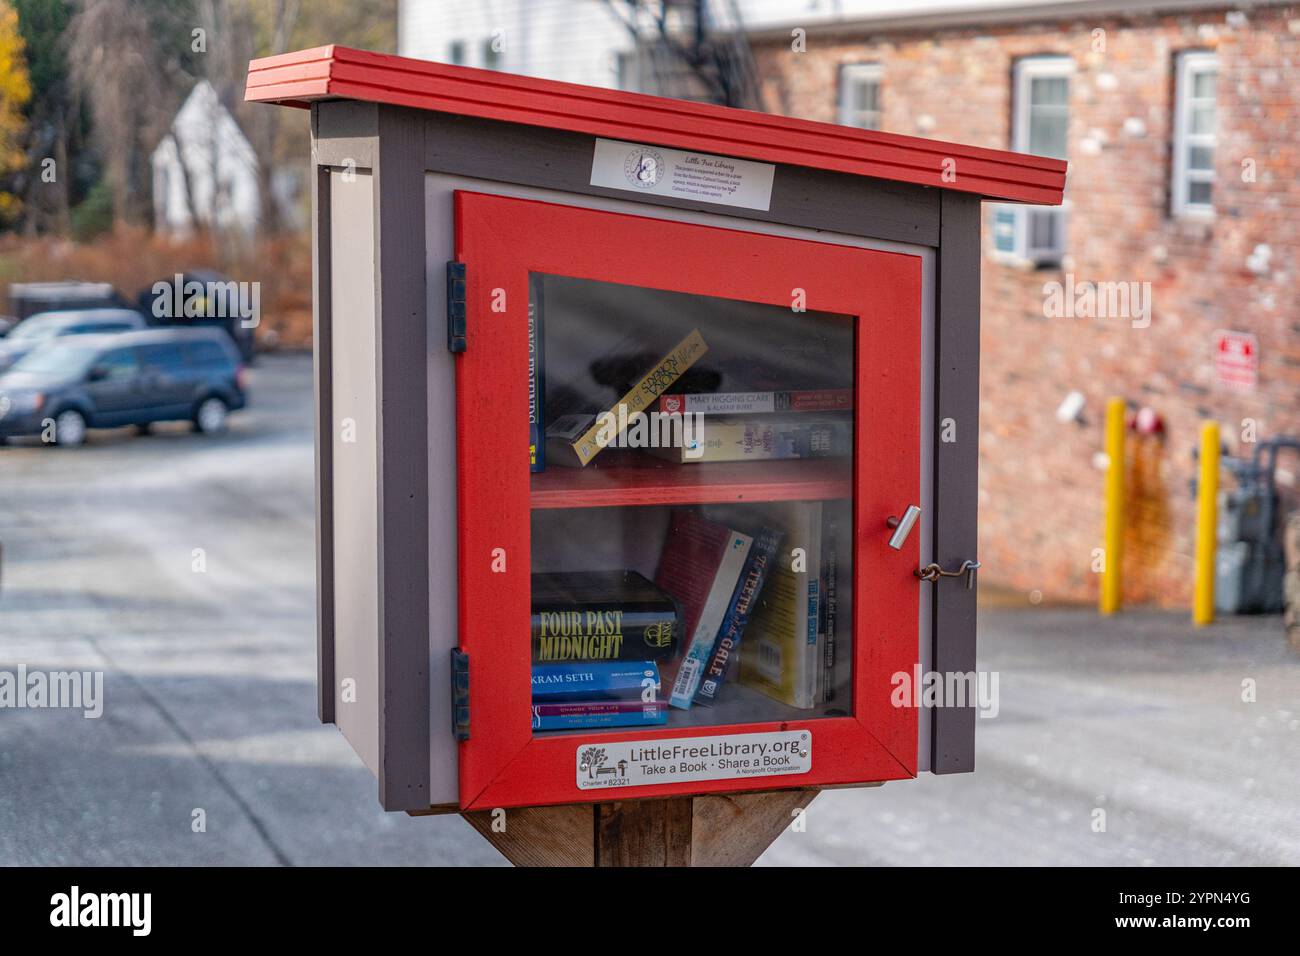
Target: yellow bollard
{"points": [[1207, 524], [1112, 595]]}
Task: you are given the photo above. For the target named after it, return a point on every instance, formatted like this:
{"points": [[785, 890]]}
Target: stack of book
{"points": [[597, 694], [597, 638]]}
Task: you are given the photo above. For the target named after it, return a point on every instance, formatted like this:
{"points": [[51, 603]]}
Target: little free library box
{"points": [[644, 431]]}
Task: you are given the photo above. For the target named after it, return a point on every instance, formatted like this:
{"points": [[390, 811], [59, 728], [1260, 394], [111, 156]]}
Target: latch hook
{"points": [[933, 572]]}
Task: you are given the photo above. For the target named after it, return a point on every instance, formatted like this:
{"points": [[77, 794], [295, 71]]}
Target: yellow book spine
{"points": [[655, 382]]}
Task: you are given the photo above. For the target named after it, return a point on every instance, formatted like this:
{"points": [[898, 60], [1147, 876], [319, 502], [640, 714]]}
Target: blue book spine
{"points": [[596, 680], [648, 716], [761, 558], [536, 379]]}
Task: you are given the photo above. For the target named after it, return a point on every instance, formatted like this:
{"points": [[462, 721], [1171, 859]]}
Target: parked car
{"points": [[132, 378], [176, 302], [28, 298], [41, 328]]}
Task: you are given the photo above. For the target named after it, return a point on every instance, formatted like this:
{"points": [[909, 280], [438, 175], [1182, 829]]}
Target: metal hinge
{"points": [[456, 306], [459, 694]]}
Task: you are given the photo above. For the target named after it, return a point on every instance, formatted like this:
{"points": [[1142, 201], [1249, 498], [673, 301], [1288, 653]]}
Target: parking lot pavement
{"points": [[181, 566], [209, 680]]}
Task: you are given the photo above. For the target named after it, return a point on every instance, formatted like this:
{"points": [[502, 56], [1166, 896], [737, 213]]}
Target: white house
{"points": [[212, 177]]}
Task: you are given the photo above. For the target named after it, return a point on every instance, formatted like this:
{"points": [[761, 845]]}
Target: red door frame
{"points": [[501, 240]]}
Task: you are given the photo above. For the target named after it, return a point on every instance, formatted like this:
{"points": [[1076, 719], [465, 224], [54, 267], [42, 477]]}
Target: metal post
{"points": [[1207, 522], [1112, 596]]}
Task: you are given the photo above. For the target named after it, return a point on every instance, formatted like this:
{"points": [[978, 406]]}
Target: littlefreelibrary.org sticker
{"points": [[636, 763]]}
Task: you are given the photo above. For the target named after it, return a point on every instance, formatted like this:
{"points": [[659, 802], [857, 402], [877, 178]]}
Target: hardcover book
{"points": [[576, 439], [536, 378], [596, 681], [758, 403], [599, 713], [765, 438], [762, 557], [601, 616]]}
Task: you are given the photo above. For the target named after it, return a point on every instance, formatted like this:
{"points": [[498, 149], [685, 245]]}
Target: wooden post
{"points": [[710, 830]]}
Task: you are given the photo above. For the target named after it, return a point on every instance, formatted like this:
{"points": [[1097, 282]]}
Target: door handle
{"points": [[902, 526]]}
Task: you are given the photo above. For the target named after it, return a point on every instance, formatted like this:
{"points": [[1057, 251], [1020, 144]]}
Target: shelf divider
{"points": [[649, 481]]}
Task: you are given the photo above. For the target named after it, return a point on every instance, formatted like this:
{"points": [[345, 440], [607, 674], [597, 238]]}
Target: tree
{"points": [[132, 62], [15, 91]]}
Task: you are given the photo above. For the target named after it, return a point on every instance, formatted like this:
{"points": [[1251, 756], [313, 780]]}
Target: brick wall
{"points": [[1040, 490]]}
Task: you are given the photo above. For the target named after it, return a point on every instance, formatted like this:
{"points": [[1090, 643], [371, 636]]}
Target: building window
{"points": [[1040, 124], [1194, 134], [491, 54], [860, 95], [456, 52]]}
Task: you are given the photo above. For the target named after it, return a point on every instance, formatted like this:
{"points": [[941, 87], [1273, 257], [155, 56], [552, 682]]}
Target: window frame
{"points": [[1188, 65], [1023, 72], [852, 74]]}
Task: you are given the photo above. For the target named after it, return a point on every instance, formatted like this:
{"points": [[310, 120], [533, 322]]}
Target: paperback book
{"points": [[765, 438], [636, 681], [699, 566], [784, 649], [762, 557], [608, 713], [758, 403], [576, 439]]}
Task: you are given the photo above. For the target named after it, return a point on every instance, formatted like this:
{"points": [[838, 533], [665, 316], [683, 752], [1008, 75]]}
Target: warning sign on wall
{"points": [[1236, 360]]}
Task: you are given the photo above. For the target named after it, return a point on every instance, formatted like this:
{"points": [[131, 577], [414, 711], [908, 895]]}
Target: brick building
{"points": [[1182, 127]]}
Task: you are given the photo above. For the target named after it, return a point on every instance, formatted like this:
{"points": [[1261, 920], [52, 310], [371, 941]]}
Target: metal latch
{"points": [[933, 572], [456, 306], [459, 694]]}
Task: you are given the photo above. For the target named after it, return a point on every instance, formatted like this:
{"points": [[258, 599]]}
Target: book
{"points": [[758, 403], [536, 378], [599, 713], [783, 650], [596, 680], [762, 556], [574, 439], [764, 438], [601, 616], [701, 564]]}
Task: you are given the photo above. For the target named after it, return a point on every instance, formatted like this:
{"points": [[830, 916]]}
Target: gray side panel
{"points": [[345, 133], [555, 159], [351, 433], [401, 356], [322, 367], [956, 469]]}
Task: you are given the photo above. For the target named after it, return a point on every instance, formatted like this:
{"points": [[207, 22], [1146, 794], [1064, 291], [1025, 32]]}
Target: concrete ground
{"points": [[210, 699]]}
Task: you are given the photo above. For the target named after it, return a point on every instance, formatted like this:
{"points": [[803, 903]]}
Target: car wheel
{"points": [[70, 428], [210, 416]]}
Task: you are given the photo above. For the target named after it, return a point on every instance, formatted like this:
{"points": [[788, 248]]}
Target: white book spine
{"points": [[700, 648]]}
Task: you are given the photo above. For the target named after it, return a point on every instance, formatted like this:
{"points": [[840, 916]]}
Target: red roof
{"points": [[336, 72]]}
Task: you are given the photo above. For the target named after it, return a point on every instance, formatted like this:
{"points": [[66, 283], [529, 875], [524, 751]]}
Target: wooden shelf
{"points": [[644, 480]]}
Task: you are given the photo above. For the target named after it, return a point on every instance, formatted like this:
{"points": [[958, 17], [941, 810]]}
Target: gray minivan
{"points": [[131, 378]]}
